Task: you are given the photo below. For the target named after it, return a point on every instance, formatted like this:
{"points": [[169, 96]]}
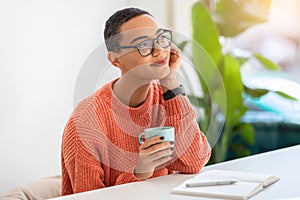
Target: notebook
{"points": [[247, 184]]}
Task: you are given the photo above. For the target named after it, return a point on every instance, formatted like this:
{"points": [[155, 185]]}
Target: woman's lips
{"points": [[160, 62]]}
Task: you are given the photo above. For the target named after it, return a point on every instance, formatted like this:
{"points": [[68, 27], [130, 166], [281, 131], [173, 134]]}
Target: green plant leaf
{"points": [[234, 89], [242, 60], [247, 133], [259, 92], [284, 95], [218, 97], [205, 33], [182, 45], [255, 93], [197, 101], [267, 63], [235, 16], [234, 105]]}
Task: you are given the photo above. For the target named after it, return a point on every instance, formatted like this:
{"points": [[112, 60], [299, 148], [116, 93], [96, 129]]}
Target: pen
{"points": [[210, 183]]}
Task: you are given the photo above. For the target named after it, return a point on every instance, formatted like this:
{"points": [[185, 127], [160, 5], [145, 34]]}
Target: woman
{"points": [[100, 146]]}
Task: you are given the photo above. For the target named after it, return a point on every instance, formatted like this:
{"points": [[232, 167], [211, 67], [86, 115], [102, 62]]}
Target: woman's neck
{"points": [[131, 91]]}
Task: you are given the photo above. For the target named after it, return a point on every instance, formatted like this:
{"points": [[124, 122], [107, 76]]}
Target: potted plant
{"points": [[219, 72]]}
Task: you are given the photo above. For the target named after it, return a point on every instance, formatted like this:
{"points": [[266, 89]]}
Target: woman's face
{"points": [[134, 32]]}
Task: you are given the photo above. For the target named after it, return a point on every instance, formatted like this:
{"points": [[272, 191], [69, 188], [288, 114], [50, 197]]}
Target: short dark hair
{"points": [[113, 24]]}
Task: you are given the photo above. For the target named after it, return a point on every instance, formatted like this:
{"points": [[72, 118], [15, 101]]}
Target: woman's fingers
{"points": [[162, 160], [154, 146], [152, 153], [174, 54], [151, 141], [161, 154]]}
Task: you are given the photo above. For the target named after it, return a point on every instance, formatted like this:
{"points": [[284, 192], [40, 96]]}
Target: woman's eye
{"points": [[143, 45], [164, 37]]}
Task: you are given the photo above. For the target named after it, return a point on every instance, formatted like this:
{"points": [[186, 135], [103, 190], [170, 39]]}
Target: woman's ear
{"points": [[113, 58]]}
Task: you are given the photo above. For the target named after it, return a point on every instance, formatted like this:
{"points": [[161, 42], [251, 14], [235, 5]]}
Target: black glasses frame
{"points": [[153, 42]]}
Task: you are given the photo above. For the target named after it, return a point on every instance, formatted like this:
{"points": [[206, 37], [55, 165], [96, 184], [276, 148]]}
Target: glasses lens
{"points": [[165, 39], [145, 47]]}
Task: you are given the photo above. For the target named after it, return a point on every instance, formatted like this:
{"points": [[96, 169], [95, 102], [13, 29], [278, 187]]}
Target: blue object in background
{"points": [[275, 119], [285, 109]]}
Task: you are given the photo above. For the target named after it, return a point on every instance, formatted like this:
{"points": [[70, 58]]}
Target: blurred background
{"points": [[45, 43]]}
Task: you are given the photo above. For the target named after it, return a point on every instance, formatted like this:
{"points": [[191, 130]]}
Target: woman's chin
{"points": [[149, 73], [161, 72]]}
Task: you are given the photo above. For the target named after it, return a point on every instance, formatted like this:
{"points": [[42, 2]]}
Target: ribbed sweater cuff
{"points": [[127, 178]]}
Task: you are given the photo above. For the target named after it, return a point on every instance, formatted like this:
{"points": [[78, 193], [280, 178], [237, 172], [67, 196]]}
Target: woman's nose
{"points": [[157, 49]]}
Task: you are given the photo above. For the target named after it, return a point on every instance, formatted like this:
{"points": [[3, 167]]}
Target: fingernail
{"points": [[171, 142], [162, 137], [172, 155], [172, 148]]}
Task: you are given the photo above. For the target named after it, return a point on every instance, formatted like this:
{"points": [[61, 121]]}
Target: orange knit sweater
{"points": [[100, 145]]}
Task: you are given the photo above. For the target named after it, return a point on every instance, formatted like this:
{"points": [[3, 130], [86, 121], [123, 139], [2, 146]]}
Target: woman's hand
{"points": [[152, 153], [175, 58], [170, 81]]}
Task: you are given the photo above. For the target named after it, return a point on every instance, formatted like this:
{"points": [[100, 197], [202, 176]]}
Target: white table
{"points": [[283, 162]]}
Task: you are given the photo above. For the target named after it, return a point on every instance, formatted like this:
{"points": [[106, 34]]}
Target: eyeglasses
{"points": [[146, 47]]}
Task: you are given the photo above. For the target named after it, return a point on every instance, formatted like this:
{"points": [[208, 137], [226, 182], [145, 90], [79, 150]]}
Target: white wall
{"points": [[43, 45], [182, 16]]}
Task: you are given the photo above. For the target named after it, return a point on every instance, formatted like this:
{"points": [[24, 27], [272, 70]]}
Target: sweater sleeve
{"points": [[191, 148], [82, 169]]}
